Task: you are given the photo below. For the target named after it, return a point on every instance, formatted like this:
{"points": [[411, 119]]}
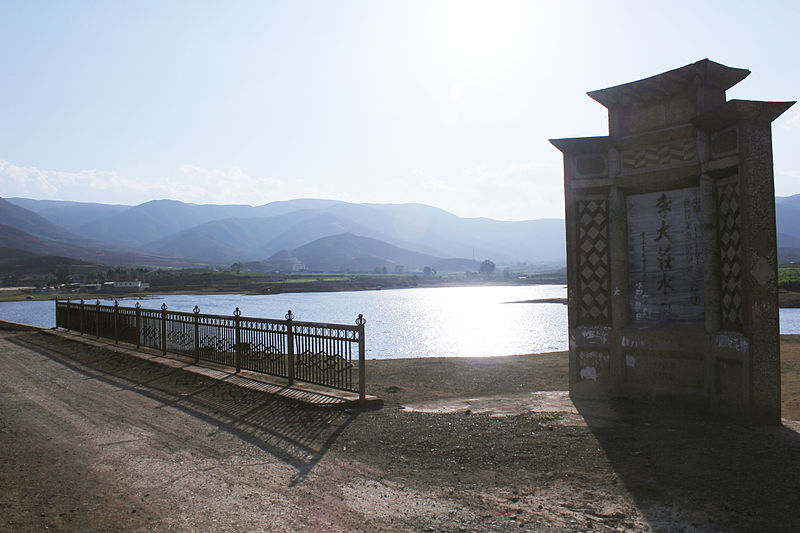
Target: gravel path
{"points": [[94, 439]]}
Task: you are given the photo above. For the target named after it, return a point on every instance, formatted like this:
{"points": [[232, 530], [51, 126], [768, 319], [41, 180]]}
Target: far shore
{"points": [[8, 294], [787, 299]]}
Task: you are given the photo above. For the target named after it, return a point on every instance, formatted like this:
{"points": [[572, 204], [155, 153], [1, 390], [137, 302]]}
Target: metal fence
{"points": [[331, 355]]}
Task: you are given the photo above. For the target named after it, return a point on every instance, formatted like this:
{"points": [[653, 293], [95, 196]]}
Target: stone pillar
{"points": [[671, 249]]}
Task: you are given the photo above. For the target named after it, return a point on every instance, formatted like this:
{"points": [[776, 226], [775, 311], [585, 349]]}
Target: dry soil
{"points": [[94, 439]]}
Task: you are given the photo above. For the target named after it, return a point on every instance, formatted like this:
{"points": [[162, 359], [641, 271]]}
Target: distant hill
{"points": [[251, 239], [25, 220], [787, 218], [14, 261], [172, 232], [456, 265], [153, 220], [348, 252], [69, 215], [221, 234], [15, 239], [157, 219], [417, 228]]}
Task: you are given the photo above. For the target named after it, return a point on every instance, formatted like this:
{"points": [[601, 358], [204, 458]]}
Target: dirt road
{"points": [[93, 439]]}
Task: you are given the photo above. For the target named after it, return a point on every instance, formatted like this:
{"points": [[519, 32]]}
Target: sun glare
{"points": [[484, 35]]}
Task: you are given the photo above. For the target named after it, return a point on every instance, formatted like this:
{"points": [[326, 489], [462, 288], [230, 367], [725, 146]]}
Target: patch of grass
{"points": [[541, 418], [789, 277]]}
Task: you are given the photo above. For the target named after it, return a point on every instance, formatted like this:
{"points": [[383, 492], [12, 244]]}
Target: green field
{"points": [[202, 281]]}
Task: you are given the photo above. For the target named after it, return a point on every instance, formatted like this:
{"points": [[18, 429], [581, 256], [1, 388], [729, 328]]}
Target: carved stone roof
{"points": [[740, 110], [670, 83], [582, 145]]}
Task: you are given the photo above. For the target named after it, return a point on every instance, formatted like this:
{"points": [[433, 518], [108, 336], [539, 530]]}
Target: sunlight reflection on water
{"points": [[441, 322], [454, 321]]}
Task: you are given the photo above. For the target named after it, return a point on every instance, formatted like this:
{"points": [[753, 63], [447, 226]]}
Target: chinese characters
{"points": [[664, 269]]}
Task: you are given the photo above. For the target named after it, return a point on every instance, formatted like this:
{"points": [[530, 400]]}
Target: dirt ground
{"points": [[93, 439]]}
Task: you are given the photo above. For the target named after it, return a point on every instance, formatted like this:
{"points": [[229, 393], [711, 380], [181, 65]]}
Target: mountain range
{"points": [[344, 235], [318, 234]]}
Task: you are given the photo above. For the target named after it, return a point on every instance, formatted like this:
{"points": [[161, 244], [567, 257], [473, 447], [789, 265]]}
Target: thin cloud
{"points": [[190, 183], [201, 185], [518, 191], [31, 181]]}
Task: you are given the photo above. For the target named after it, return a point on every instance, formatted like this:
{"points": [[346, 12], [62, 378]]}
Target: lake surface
{"points": [[430, 322]]}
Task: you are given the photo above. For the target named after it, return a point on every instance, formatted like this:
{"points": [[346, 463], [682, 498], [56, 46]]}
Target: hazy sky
{"points": [[445, 103]]}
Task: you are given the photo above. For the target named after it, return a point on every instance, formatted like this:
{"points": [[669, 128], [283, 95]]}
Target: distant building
{"points": [[124, 286]]}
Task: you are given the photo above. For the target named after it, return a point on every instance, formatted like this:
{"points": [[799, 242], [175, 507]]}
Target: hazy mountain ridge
{"points": [[65, 214], [787, 219], [253, 239], [348, 252], [23, 229], [171, 232], [210, 234], [25, 220]]}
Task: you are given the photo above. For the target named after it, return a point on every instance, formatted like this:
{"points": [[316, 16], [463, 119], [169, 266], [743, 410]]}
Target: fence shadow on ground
{"points": [[709, 473], [296, 433]]}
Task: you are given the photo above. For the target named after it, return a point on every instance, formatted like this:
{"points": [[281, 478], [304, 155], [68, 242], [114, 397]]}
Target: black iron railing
{"points": [[331, 355]]}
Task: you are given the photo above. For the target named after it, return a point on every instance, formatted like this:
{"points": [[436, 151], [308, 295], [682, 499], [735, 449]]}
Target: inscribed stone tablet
{"points": [[664, 257]]}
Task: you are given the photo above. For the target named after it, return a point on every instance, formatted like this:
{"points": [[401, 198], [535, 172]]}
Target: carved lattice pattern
{"points": [[659, 155], [323, 362], [151, 332], [180, 338], [265, 353], [593, 263], [730, 251], [217, 344]]}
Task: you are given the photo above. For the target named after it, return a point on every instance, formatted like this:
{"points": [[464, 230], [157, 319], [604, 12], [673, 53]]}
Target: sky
{"points": [[447, 103]]}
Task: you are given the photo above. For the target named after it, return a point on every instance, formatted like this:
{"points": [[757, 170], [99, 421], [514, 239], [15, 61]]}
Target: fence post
{"points": [[362, 370], [138, 325], [97, 319], [289, 347], [67, 314], [164, 328], [80, 324], [196, 334], [237, 361], [116, 322]]}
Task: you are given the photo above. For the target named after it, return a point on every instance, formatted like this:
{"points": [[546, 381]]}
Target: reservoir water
{"points": [[430, 322]]}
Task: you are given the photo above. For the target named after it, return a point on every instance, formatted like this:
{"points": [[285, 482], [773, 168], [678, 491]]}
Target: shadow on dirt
{"points": [[705, 472], [292, 431]]}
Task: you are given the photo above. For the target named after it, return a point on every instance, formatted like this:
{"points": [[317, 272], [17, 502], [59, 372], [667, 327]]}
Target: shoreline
{"points": [[7, 295], [786, 299]]}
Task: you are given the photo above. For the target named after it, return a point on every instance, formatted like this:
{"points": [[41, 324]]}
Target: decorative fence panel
{"points": [[179, 334], [149, 328], [127, 325], [324, 352], [331, 355], [217, 340], [263, 346]]}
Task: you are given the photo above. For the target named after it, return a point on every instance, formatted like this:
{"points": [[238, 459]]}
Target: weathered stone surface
{"points": [[671, 249]]}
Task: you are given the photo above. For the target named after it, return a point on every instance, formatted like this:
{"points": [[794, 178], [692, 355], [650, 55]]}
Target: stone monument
{"points": [[671, 246]]}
